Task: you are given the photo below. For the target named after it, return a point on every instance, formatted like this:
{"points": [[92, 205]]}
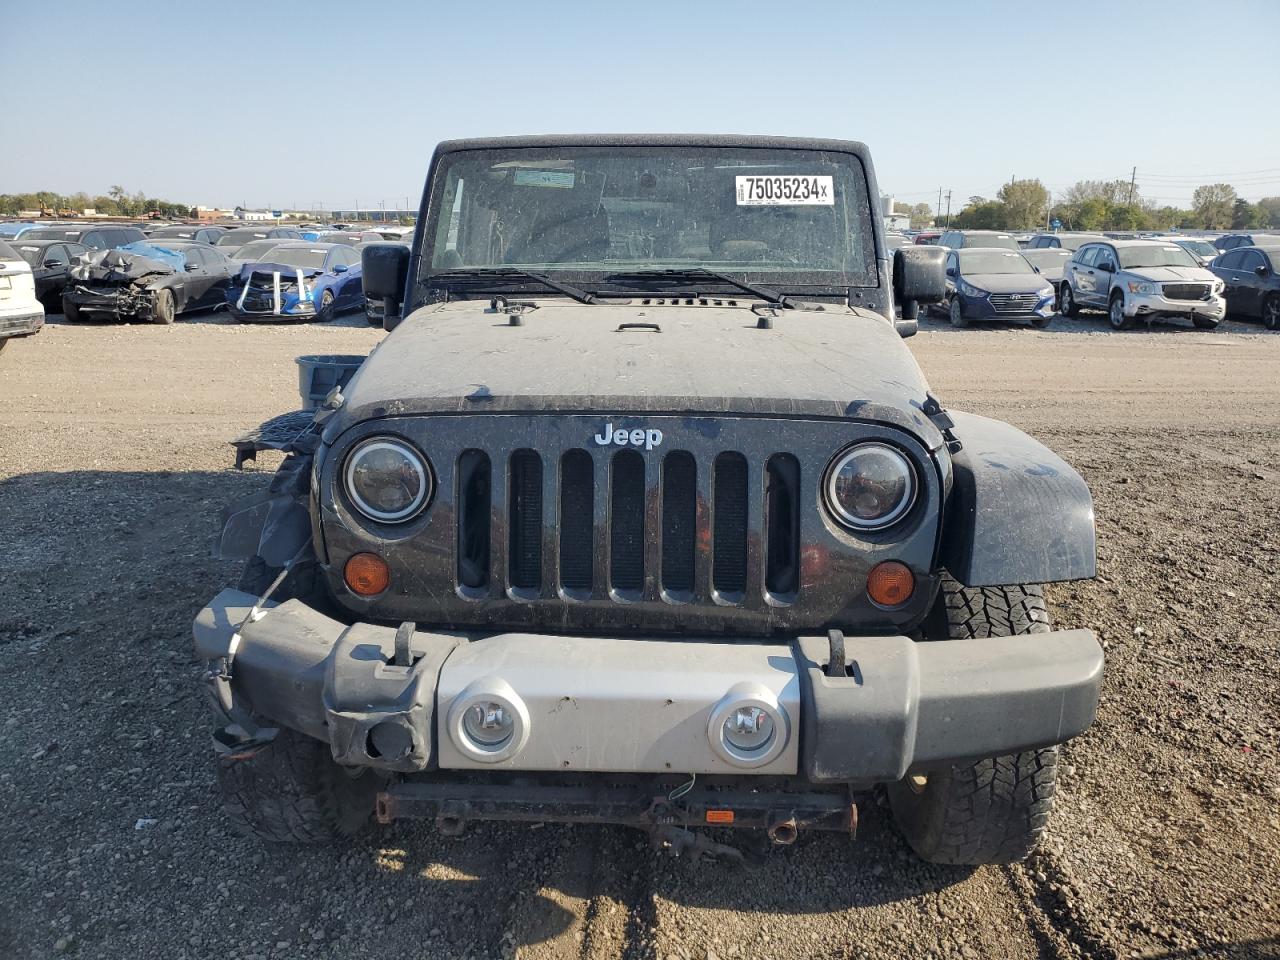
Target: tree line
{"points": [[117, 202], [1106, 205]]}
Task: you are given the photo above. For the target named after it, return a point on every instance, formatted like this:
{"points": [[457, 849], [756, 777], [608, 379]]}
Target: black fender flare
{"points": [[1017, 512]]}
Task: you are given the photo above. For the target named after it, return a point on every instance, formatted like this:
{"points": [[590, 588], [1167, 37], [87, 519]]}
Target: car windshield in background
{"points": [[304, 257], [786, 217], [1199, 247], [255, 250], [1047, 256], [234, 238], [52, 233], [1003, 241], [30, 254], [993, 261], [1161, 256]]}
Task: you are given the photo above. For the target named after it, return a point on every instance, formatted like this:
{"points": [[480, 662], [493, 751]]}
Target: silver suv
{"points": [[1141, 278]]}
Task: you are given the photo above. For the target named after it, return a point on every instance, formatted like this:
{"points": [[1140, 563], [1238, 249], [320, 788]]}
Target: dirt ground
{"points": [[114, 464]]}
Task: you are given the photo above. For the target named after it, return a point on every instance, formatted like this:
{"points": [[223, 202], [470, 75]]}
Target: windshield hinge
{"points": [[939, 417]]}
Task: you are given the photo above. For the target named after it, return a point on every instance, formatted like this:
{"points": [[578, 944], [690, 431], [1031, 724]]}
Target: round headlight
{"points": [[870, 486], [387, 480]]}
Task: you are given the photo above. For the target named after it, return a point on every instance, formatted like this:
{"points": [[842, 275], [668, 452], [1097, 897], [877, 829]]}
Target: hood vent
{"points": [[687, 302]]}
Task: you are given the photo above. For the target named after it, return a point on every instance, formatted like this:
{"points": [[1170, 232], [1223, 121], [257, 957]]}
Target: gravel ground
{"points": [[1166, 842]]}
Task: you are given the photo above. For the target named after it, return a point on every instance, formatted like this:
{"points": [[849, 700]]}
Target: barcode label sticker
{"points": [[788, 190]]}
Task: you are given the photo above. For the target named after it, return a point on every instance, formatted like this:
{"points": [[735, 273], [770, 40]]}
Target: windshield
{"points": [[234, 238], [255, 250], [307, 258], [791, 218], [1002, 240], [1171, 255], [177, 232], [1047, 257], [993, 261], [1201, 247], [52, 233]]}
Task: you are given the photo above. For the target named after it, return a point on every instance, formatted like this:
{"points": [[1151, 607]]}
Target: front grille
{"points": [[1014, 302], [1186, 291], [617, 538]]}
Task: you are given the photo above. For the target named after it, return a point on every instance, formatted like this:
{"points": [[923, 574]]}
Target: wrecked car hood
{"points": [[466, 357], [127, 264]]}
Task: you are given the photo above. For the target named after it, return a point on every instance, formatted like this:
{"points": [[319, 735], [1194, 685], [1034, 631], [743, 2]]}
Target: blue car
{"points": [[296, 280], [992, 283], [16, 228]]}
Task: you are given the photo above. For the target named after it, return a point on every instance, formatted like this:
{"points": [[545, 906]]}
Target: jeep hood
{"points": [[465, 357]]}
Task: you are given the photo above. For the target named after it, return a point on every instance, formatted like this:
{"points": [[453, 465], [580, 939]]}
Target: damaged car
{"points": [[21, 314], [644, 513], [187, 231], [237, 237], [298, 281], [51, 262], [148, 282]]}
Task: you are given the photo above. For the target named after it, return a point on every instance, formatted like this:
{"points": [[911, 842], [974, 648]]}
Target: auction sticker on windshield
{"points": [[788, 190]]}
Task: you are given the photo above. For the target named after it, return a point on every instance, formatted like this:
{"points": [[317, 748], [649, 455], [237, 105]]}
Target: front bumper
{"points": [[121, 301], [393, 699], [1150, 305], [20, 322], [981, 308]]}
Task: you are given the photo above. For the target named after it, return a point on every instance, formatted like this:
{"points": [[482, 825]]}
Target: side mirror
{"points": [[951, 271], [919, 276], [1261, 270], [339, 268], [384, 272], [1035, 268]]}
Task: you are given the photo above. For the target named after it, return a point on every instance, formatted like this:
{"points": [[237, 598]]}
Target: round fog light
{"points": [[749, 728], [488, 723]]}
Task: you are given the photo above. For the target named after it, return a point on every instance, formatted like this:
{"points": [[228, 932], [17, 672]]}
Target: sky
{"points": [[312, 104]]}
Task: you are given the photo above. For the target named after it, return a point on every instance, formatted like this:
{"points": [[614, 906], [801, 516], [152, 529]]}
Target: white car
{"points": [[21, 314], [1132, 279]]}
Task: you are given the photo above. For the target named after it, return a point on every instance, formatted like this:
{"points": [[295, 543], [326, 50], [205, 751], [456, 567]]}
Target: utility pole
{"points": [[1133, 178], [948, 208], [937, 211]]}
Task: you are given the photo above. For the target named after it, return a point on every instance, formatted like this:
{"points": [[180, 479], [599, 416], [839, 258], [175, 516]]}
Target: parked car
{"points": [[1252, 281], [561, 557], [254, 250], [148, 281], [298, 280], [51, 262], [1141, 278], [958, 239], [995, 283], [97, 238], [1064, 241], [179, 231], [1202, 250], [1050, 261], [1230, 241], [21, 314], [237, 237], [927, 238]]}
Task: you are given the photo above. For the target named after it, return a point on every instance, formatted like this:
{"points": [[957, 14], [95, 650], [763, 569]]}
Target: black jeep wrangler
{"points": [[645, 514]]}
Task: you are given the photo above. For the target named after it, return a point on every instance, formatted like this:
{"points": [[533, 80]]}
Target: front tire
{"points": [[1067, 301], [994, 810], [326, 311], [1115, 313], [956, 314], [292, 791], [1271, 312], [162, 308]]}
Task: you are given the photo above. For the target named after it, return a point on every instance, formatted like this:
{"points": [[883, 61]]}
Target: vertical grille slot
{"points": [[729, 524], [577, 519], [474, 500], [679, 521], [524, 555], [782, 525], [626, 522]]}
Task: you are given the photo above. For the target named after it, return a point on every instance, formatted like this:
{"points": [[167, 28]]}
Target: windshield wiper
{"points": [[508, 273], [692, 273]]}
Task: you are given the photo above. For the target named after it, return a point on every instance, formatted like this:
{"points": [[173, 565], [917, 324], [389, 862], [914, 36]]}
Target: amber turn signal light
{"points": [[891, 583], [720, 816], [366, 574]]}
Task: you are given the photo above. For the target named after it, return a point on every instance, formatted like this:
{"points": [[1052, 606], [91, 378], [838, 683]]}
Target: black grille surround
{"points": [[1186, 291], [683, 536]]}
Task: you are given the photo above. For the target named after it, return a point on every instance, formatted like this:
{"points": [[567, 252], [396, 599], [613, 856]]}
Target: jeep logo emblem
{"points": [[636, 438]]}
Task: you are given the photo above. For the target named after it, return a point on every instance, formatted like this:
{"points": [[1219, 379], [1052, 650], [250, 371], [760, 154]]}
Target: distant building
{"points": [[211, 213], [371, 215], [243, 213]]}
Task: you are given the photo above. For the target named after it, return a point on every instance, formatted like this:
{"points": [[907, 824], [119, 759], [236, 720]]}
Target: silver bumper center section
{"points": [[537, 702]]}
